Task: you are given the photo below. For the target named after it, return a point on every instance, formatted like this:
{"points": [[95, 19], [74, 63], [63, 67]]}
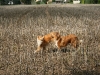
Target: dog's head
{"points": [[55, 36]]}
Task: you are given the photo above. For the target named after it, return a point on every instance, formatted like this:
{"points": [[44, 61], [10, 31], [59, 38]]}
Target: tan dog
{"points": [[43, 41], [65, 40]]}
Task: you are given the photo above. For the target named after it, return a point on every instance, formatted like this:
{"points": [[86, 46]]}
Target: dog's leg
{"points": [[59, 53], [38, 49]]}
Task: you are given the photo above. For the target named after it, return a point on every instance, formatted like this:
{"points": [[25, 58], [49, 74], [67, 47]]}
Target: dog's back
{"points": [[65, 40]]}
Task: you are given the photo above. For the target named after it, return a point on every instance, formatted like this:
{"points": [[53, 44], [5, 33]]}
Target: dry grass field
{"points": [[20, 26]]}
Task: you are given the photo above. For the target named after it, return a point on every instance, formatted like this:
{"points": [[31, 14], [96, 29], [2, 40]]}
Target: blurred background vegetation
{"points": [[5, 2]]}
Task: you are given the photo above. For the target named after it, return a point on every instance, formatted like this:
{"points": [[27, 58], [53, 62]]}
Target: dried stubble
{"points": [[19, 27]]}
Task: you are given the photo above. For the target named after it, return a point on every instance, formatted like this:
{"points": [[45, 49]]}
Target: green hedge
{"points": [[87, 1], [82, 1], [45, 1], [53, 0], [98, 1], [90, 1]]}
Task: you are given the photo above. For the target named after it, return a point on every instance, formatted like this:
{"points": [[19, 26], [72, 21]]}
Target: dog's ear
{"points": [[37, 37], [42, 38]]}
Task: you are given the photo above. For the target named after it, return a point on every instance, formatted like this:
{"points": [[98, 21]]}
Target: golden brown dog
{"points": [[43, 41], [65, 40]]}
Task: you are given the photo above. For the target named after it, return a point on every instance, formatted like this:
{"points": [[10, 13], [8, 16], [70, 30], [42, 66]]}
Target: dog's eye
{"points": [[42, 39], [52, 36]]}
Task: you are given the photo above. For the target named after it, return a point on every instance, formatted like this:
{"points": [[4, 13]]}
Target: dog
{"points": [[63, 41], [43, 41]]}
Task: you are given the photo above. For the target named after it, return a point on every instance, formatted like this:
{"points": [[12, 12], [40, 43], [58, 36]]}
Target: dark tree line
{"points": [[90, 1], [3, 2], [26, 1]]}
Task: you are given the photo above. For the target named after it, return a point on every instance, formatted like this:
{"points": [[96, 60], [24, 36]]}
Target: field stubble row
{"points": [[19, 28]]}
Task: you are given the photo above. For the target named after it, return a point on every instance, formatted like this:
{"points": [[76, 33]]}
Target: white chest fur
{"points": [[56, 43], [39, 42]]}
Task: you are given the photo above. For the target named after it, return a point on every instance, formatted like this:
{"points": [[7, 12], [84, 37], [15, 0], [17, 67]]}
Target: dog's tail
{"points": [[78, 42]]}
